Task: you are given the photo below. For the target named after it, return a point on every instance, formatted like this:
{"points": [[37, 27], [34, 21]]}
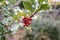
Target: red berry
{"points": [[29, 19], [24, 19], [27, 23]]}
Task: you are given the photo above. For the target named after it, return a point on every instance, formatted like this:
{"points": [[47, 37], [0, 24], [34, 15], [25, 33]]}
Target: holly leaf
{"points": [[3, 38], [12, 1], [1, 0], [44, 7], [28, 6], [40, 1], [21, 13], [3, 3], [32, 1], [16, 17]]}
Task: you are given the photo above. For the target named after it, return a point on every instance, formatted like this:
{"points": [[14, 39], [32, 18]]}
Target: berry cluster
{"points": [[27, 21]]}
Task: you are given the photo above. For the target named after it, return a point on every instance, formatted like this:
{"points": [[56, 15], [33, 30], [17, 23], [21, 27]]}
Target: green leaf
{"points": [[13, 2], [1, 26], [32, 1], [28, 6], [1, 0], [16, 17], [40, 1], [44, 7], [3, 38], [3, 3]]}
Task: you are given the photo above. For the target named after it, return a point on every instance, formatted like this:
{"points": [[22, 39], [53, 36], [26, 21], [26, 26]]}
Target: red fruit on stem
{"points": [[24, 19], [27, 21]]}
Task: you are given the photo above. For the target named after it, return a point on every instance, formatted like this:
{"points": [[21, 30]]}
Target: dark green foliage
{"points": [[3, 31], [44, 7], [21, 5], [1, 0], [49, 31], [52, 31], [3, 38]]}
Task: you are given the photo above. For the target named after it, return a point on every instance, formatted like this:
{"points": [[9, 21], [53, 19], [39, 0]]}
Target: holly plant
{"points": [[19, 13]]}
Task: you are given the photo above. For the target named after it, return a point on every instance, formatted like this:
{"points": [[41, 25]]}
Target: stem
{"points": [[33, 14], [36, 10]]}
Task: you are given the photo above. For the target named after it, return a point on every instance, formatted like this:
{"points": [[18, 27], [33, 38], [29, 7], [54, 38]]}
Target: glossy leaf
{"points": [[40, 1], [3, 3], [16, 17], [21, 13], [12, 1], [28, 6], [44, 7], [1, 0], [3, 38], [32, 1]]}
